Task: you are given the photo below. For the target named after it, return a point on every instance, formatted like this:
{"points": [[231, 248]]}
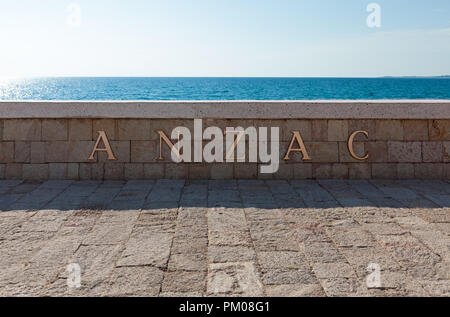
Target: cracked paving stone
{"points": [[295, 290], [184, 282], [224, 254], [195, 262], [304, 276], [135, 281], [234, 279], [281, 260], [225, 238]]}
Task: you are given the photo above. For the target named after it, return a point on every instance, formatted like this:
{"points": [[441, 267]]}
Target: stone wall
{"points": [[35, 148]]}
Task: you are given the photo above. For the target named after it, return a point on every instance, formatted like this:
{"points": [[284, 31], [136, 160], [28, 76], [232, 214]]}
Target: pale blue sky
{"points": [[298, 38]]}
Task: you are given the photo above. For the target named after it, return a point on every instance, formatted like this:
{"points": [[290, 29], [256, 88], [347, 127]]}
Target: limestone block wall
{"points": [[406, 140]]}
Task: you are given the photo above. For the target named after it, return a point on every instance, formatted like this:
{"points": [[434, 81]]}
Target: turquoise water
{"points": [[223, 88]]}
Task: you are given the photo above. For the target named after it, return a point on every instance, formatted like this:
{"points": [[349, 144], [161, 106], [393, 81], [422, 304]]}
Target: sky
{"points": [[224, 38]]}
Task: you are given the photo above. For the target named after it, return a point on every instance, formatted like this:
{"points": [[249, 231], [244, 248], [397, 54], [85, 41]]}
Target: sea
{"points": [[177, 88]]}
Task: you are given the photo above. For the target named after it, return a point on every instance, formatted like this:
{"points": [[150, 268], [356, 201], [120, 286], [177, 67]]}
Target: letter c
{"points": [[350, 145]]}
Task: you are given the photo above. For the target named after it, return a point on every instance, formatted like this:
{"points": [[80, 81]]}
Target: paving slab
{"points": [[225, 238]]}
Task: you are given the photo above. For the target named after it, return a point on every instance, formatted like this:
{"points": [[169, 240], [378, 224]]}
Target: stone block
{"points": [[106, 125], [97, 171], [199, 171], [79, 151], [73, 171], [131, 129], [114, 171], [378, 151], [389, 130], [14, 171], [303, 126], [57, 170], [360, 171], [415, 130], [302, 171], [134, 171], [22, 152], [384, 171], [404, 152], [323, 152], [321, 171], [340, 171], [405, 171], [85, 171], [37, 152], [439, 130], [176, 171], [363, 125], [319, 130], [144, 151], [222, 171], [153, 171], [80, 130], [57, 152], [338, 130], [432, 152], [429, 171], [246, 171], [6, 152], [446, 151], [285, 171], [55, 130], [22, 130], [35, 172]]}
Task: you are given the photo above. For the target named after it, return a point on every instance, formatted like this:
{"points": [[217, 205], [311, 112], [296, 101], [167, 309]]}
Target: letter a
{"points": [[297, 137], [102, 137]]}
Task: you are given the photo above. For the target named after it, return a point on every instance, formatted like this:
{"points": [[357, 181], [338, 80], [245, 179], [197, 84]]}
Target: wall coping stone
{"points": [[318, 109]]}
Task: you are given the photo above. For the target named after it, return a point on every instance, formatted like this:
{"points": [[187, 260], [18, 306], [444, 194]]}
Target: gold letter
{"points": [[102, 137], [238, 138], [163, 136], [350, 145], [297, 137]]}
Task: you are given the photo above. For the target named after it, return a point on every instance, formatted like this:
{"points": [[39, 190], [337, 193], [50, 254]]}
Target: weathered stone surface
{"points": [[184, 282], [133, 130], [281, 259], [22, 130], [80, 130], [325, 243], [337, 130], [234, 279], [326, 152], [7, 152], [55, 130], [439, 130], [432, 152], [135, 281], [404, 152], [226, 254], [389, 130], [415, 130], [147, 248]]}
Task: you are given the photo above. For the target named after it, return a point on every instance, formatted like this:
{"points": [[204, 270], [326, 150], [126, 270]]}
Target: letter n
{"points": [[163, 137], [102, 138]]}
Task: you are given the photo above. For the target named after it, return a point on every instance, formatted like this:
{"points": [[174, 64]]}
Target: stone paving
{"points": [[225, 238]]}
